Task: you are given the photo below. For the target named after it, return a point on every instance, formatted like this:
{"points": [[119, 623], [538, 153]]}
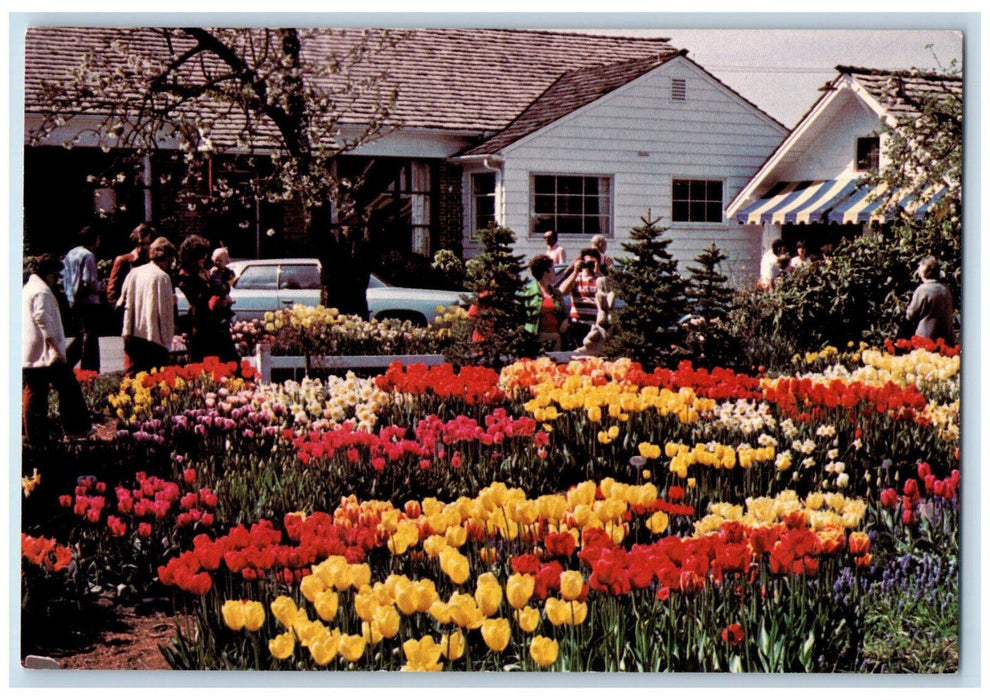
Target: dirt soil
{"points": [[125, 639]]}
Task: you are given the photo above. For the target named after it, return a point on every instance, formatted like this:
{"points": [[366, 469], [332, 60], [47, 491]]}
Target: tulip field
{"points": [[588, 516]]}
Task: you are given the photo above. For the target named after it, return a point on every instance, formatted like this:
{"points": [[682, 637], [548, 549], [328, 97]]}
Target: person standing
{"points": [[209, 332], [801, 259], [44, 362], [148, 300], [141, 238], [582, 285], [770, 268], [555, 251], [82, 288], [544, 304], [931, 304], [599, 243]]}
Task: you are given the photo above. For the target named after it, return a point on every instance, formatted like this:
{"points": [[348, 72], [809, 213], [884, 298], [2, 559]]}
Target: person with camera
{"points": [[582, 284]]}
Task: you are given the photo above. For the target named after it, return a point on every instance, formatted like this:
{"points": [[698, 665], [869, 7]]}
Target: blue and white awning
{"points": [[839, 201]]}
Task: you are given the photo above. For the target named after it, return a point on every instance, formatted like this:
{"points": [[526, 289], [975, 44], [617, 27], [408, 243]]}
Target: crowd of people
{"points": [[61, 317], [65, 304]]}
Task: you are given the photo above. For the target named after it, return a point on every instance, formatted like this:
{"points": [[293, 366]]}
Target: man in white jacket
{"points": [[148, 300], [44, 362]]}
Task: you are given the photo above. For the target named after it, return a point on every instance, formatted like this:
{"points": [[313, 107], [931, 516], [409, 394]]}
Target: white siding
{"points": [[828, 148], [643, 140]]}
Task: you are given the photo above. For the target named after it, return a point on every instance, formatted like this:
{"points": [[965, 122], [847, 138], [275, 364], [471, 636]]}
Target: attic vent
{"points": [[678, 89]]}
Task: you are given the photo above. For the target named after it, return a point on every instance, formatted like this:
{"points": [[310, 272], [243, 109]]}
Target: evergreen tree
{"points": [[647, 328], [709, 301], [494, 278]]}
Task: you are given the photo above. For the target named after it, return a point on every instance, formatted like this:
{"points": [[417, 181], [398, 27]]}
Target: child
{"points": [[220, 278]]}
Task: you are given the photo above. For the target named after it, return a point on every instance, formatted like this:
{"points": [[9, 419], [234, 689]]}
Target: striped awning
{"points": [[839, 201]]}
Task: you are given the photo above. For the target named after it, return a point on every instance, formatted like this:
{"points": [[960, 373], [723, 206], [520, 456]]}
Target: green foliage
{"points": [[710, 301], [647, 328], [860, 294], [923, 149], [494, 278]]}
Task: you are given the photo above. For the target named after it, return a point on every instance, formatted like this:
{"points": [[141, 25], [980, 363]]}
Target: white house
{"points": [[811, 187], [606, 145], [580, 133]]}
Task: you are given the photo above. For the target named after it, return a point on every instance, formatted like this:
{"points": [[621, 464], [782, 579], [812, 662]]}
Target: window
{"points": [[697, 201], [299, 277], [482, 201], [678, 89], [571, 204], [867, 153], [258, 277]]}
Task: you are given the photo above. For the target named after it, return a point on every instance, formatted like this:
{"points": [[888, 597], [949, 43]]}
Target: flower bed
{"points": [[584, 516]]}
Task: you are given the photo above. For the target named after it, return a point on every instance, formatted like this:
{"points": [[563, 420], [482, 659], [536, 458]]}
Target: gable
{"points": [[643, 92]]}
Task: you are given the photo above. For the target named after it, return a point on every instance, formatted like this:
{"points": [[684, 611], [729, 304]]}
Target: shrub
{"points": [[647, 329], [498, 317], [710, 301], [860, 294]]}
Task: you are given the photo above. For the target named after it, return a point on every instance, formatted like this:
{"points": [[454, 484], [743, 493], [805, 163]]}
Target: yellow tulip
{"points": [[281, 647], [543, 650], [426, 594], [496, 633], [371, 632], [405, 596], [422, 654], [308, 631], [360, 575], [254, 615], [555, 610], [464, 611], [326, 604], [310, 586], [488, 594], [352, 646], [577, 612], [284, 609], [455, 565], [325, 647], [434, 543], [440, 612], [519, 589], [387, 619], [453, 645], [527, 618], [658, 522], [456, 535], [233, 614], [571, 585]]}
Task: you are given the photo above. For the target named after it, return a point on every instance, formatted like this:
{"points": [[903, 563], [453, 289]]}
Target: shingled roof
{"points": [[571, 91], [901, 91], [474, 81]]}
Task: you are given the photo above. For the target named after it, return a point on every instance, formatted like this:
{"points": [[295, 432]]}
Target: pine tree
{"points": [[494, 278], [709, 301], [647, 328]]}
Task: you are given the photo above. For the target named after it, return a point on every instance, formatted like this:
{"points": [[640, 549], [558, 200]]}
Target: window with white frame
{"points": [[696, 201], [482, 201], [571, 204]]}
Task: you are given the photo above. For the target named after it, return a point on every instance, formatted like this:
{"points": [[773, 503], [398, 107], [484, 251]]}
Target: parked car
{"points": [[267, 285]]}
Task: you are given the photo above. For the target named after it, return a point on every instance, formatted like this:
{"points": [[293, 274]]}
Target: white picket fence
{"points": [[264, 362]]}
